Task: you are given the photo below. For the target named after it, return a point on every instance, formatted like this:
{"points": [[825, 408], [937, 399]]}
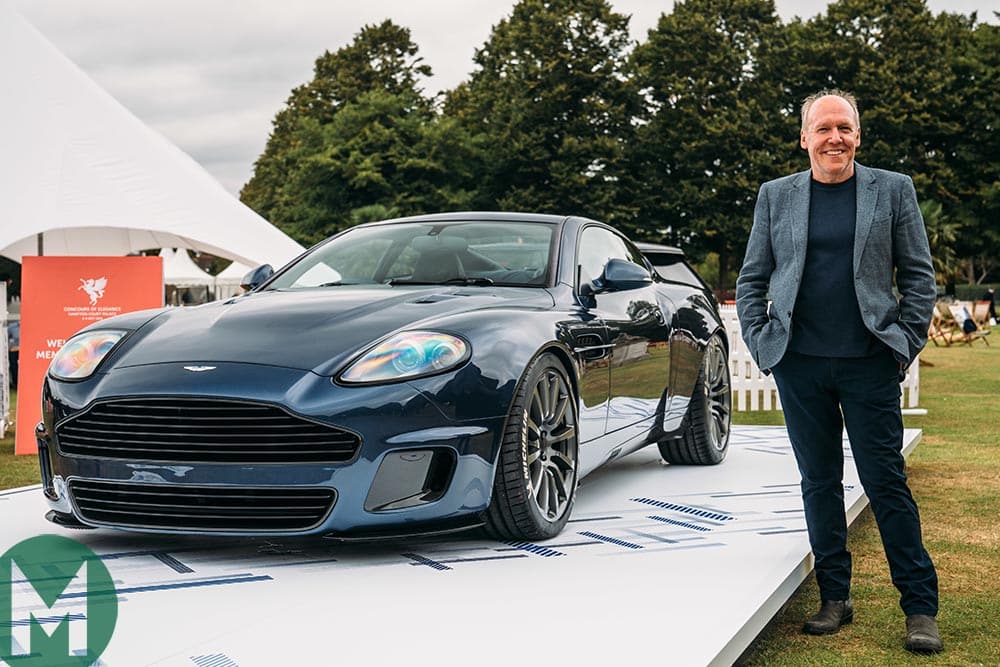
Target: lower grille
{"points": [[207, 508], [198, 430]]}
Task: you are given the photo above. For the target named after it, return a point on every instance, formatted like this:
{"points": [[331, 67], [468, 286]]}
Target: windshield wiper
{"points": [[406, 281], [482, 280], [451, 281], [339, 283]]}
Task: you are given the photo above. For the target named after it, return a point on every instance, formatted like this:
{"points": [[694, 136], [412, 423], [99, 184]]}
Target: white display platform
{"points": [[669, 565]]}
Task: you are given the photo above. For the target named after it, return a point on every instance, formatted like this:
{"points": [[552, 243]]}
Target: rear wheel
{"points": [[706, 439], [535, 482]]}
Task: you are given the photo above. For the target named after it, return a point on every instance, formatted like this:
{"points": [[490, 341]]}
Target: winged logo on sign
{"points": [[199, 369], [94, 287]]}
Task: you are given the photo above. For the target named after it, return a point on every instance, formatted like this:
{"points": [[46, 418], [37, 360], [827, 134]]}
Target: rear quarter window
{"points": [[674, 269]]}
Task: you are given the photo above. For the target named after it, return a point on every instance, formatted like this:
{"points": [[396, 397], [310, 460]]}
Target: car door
{"points": [[589, 337], [637, 333]]}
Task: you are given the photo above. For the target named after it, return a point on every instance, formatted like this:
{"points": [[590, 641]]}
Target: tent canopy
{"points": [[180, 271], [233, 272], [90, 178]]}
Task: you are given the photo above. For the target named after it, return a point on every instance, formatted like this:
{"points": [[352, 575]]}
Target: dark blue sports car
{"points": [[412, 376]]}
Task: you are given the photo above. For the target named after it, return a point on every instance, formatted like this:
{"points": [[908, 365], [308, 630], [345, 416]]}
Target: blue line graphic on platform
{"points": [[423, 560], [214, 660], [752, 493], [44, 620], [478, 559], [172, 563], [771, 450], [611, 540], [685, 509], [593, 518], [535, 549], [683, 524], [168, 587]]}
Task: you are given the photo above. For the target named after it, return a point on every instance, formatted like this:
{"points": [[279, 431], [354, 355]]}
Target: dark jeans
{"points": [[821, 395]]}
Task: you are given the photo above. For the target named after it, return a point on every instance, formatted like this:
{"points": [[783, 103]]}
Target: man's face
{"points": [[831, 136]]}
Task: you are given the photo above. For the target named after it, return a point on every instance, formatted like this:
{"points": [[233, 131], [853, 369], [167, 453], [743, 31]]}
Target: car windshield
{"points": [[428, 253]]}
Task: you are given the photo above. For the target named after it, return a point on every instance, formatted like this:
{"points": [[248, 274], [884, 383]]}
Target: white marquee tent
{"points": [[179, 270], [81, 175], [185, 282]]}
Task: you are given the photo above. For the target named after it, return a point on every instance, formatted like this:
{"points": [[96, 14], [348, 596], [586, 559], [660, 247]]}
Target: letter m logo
{"points": [[58, 604], [33, 619]]}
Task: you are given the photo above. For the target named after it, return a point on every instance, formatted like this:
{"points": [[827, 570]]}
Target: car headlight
{"points": [[408, 355], [81, 354]]}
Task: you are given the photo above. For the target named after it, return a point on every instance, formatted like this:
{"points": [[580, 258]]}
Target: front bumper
{"points": [[419, 467]]}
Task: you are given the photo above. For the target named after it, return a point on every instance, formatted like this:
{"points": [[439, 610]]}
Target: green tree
{"points": [[941, 233], [712, 127], [381, 58], [976, 151], [378, 156], [551, 105]]}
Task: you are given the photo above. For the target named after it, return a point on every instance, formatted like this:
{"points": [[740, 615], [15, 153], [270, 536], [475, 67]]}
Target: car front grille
{"points": [[206, 508], [196, 430]]}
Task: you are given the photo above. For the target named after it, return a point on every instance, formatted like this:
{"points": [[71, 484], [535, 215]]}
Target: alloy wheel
{"points": [[718, 394], [550, 445]]}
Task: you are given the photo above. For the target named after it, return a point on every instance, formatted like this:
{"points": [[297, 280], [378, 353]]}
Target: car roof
{"points": [[478, 216], [653, 247]]}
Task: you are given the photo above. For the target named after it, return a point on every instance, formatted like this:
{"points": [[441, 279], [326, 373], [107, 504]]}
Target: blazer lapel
{"points": [[867, 197], [798, 211]]}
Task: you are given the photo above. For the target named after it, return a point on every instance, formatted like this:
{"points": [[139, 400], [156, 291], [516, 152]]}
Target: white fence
{"points": [[752, 390]]}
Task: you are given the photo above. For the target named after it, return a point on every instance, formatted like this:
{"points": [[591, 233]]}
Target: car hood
{"points": [[316, 329]]}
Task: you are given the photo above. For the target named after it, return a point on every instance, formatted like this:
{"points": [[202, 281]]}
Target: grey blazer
{"points": [[889, 237]]}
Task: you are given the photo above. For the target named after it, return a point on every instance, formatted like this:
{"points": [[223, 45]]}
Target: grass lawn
{"points": [[955, 477], [16, 470]]}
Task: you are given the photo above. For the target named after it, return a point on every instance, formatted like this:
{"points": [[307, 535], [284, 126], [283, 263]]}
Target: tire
{"points": [[535, 482], [705, 441]]}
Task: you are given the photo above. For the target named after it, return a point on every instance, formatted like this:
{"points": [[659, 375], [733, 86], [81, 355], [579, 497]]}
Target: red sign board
{"points": [[60, 296]]}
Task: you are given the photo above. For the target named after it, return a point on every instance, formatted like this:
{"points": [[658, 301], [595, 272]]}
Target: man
{"points": [[13, 349], [824, 246], [990, 295]]}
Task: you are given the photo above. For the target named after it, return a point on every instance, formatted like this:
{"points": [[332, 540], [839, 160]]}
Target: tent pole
{"points": [[41, 243]]}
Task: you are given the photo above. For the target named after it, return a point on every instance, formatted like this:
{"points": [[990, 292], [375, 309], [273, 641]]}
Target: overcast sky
{"points": [[211, 74]]}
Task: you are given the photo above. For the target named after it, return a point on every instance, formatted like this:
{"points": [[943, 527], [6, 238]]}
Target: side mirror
{"points": [[620, 275], [587, 286], [257, 277]]}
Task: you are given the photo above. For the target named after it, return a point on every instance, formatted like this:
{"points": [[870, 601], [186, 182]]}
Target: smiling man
{"points": [[831, 132], [825, 246]]}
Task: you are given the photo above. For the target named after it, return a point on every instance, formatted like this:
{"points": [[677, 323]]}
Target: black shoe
{"points": [[922, 634], [829, 618]]}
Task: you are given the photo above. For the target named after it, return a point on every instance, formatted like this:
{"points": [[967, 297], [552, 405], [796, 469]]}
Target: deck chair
{"points": [[969, 329], [942, 330], [981, 313]]}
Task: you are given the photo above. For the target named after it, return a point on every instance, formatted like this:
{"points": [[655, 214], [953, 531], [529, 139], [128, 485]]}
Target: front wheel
{"points": [[705, 441], [535, 482]]}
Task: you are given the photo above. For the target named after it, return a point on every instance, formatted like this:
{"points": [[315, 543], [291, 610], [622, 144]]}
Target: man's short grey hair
{"points": [[835, 92]]}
